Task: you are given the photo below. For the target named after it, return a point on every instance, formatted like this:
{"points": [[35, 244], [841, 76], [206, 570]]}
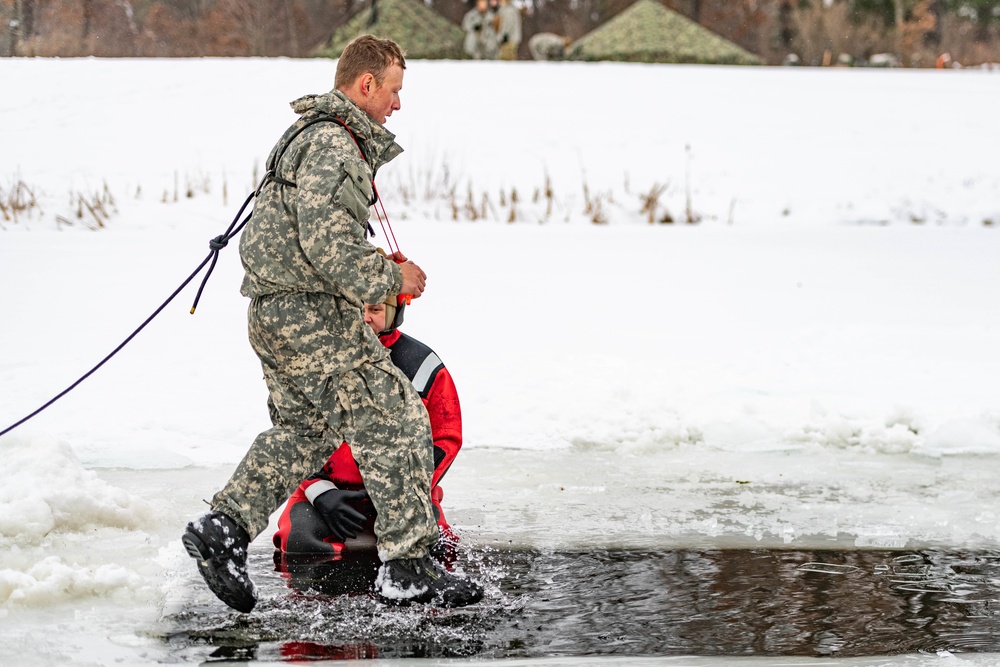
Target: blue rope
{"points": [[215, 245]]}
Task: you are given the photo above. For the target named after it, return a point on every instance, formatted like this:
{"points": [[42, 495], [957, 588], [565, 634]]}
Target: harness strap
{"points": [[272, 168]]}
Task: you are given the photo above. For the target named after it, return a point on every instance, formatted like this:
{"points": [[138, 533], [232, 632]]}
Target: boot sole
{"points": [[443, 599], [448, 599], [435, 600], [237, 598], [195, 547]]}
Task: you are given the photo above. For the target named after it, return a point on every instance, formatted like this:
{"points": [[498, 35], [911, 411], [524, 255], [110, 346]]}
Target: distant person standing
{"points": [[510, 30], [548, 46], [480, 32]]}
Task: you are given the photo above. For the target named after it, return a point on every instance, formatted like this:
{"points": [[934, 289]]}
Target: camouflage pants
{"points": [[508, 51], [375, 408]]}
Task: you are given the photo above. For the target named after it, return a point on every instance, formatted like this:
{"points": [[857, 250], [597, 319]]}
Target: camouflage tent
{"points": [[421, 31], [648, 32]]}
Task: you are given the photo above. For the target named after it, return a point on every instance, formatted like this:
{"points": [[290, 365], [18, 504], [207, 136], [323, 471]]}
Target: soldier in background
{"points": [[479, 25], [309, 271], [548, 46], [509, 30]]}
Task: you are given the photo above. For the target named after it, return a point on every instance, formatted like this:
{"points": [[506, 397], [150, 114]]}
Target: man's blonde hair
{"points": [[367, 54]]}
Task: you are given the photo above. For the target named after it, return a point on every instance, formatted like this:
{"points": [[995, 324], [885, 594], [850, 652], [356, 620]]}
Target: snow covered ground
{"points": [[812, 365]]}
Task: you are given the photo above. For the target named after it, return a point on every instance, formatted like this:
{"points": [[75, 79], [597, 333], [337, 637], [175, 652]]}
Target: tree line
{"points": [[817, 32]]}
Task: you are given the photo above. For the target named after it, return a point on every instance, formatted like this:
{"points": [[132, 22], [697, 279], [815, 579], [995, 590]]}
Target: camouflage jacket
{"points": [[310, 237]]}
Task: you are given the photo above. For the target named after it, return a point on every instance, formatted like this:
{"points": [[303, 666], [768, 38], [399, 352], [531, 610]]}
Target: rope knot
{"points": [[219, 242]]}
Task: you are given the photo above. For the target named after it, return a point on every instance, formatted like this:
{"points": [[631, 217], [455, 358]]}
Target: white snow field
{"points": [[814, 364]]}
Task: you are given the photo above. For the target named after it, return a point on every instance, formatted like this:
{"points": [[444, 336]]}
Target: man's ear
{"points": [[366, 83]]}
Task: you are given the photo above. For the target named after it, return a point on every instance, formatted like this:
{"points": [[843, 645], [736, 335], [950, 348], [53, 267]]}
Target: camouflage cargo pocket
{"points": [[362, 400], [355, 192]]}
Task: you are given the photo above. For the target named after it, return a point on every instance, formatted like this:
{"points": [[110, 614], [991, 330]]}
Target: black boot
{"points": [[406, 580], [220, 546]]}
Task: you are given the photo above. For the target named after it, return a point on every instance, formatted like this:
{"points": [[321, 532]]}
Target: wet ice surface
{"points": [[619, 557], [623, 557], [623, 603]]}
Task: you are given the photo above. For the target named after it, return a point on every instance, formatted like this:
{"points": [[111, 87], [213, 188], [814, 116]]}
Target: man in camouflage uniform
{"points": [[309, 271], [479, 24], [510, 30]]}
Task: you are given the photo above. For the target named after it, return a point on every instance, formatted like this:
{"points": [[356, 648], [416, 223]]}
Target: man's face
{"points": [[375, 316], [383, 100]]}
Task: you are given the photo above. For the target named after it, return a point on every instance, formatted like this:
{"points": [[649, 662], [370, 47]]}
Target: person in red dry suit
{"points": [[329, 512]]}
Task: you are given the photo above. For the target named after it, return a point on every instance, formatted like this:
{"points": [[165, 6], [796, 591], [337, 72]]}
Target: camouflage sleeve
{"points": [[333, 195]]}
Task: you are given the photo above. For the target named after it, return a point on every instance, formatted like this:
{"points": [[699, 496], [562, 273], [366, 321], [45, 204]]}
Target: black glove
{"points": [[504, 40], [334, 506]]}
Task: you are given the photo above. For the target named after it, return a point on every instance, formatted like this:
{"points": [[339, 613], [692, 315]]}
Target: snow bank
{"points": [[965, 436], [60, 528]]}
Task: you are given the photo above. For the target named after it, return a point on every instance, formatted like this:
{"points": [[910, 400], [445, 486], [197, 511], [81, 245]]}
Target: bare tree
{"points": [[249, 24], [293, 33], [899, 17]]}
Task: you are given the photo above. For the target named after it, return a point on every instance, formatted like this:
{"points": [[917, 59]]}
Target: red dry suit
{"points": [[302, 531]]}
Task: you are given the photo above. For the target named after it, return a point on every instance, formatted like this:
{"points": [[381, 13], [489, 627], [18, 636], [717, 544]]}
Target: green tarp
{"points": [[421, 31], [649, 32]]}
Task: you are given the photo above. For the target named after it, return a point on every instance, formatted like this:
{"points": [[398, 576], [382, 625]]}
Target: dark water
{"points": [[622, 603]]}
